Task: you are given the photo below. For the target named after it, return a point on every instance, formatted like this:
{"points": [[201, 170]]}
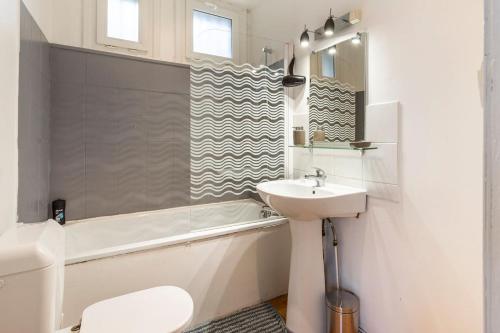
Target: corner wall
{"points": [[9, 67], [41, 10], [34, 122]]}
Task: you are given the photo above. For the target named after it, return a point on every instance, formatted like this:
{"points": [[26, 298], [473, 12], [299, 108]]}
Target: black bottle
{"points": [[59, 211]]}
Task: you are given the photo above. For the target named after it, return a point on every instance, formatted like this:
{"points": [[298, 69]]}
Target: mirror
{"points": [[337, 92]]}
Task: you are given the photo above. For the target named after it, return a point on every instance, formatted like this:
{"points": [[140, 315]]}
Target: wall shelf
{"points": [[333, 147]]}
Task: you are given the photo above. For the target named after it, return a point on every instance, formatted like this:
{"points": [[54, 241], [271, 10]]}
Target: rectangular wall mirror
{"points": [[337, 94]]}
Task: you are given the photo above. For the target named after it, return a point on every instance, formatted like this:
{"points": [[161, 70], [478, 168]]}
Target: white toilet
{"points": [[31, 291]]}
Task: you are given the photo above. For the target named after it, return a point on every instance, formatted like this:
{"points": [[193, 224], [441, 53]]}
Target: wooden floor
{"points": [[279, 303]]}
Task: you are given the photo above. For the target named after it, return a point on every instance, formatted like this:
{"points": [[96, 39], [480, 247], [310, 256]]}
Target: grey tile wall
{"points": [[121, 134], [34, 122]]}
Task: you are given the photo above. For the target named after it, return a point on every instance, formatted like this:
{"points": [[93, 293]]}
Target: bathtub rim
{"points": [[168, 241], [156, 211]]}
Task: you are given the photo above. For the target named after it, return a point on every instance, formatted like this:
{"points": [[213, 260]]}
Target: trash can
{"points": [[343, 311]]}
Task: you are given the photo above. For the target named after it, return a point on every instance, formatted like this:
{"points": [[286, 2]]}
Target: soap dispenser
{"points": [[299, 136], [319, 135]]}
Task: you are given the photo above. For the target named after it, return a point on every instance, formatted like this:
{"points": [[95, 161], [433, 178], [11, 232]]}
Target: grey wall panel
{"points": [[125, 73], [68, 145], [159, 183], [123, 145], [67, 66], [34, 122]]}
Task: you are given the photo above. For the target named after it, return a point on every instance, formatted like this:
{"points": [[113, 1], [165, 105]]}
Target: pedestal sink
{"points": [[305, 205]]}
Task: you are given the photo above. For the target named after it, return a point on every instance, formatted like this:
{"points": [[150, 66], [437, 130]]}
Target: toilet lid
{"points": [[161, 309]]}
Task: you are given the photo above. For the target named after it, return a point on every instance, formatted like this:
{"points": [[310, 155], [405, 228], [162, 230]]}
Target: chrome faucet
{"points": [[319, 177]]}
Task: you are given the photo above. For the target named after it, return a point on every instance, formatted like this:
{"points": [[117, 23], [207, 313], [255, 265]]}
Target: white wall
{"points": [[9, 78], [67, 26], [41, 10], [416, 263]]}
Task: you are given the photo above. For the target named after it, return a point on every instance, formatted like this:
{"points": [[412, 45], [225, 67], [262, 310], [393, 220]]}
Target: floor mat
{"points": [[262, 318]]}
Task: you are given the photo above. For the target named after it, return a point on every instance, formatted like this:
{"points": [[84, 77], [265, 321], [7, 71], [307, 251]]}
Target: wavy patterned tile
{"points": [[332, 106], [237, 126]]}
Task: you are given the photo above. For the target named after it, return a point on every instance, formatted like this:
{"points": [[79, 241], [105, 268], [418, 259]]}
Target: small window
{"points": [[213, 30], [125, 24], [123, 19], [327, 65], [212, 34]]}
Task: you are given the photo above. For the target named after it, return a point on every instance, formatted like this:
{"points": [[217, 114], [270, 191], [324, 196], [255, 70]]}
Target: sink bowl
{"points": [[305, 206], [300, 200]]}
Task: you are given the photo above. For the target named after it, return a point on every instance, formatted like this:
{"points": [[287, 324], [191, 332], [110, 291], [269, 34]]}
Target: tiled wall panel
{"points": [[237, 130], [376, 170], [332, 106], [34, 122], [121, 134]]}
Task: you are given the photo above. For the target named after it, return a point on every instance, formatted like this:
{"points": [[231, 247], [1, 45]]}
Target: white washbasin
{"points": [[301, 200], [306, 205]]}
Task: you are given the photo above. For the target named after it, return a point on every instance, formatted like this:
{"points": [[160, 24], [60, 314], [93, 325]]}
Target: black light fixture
{"points": [[304, 38], [356, 40], [329, 27]]}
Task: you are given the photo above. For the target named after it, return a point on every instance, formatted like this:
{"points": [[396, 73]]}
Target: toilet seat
{"points": [[156, 310]]}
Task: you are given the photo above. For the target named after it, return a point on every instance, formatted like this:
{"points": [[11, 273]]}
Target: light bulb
{"points": [[356, 39], [329, 27], [304, 39]]}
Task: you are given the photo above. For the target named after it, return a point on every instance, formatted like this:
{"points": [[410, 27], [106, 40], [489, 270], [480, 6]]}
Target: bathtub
{"points": [[226, 255]]}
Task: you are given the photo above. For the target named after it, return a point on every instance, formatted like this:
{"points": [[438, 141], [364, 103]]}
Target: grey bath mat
{"points": [[262, 318]]}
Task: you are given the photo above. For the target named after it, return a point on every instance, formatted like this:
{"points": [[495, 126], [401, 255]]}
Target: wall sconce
{"points": [[304, 38], [356, 40], [328, 28]]}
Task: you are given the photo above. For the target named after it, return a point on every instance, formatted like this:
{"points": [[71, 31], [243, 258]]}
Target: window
{"points": [[123, 19], [327, 65], [212, 31], [212, 34], [124, 24]]}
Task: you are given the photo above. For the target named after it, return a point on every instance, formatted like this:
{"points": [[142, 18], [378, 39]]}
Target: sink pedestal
{"points": [[306, 310], [305, 205]]}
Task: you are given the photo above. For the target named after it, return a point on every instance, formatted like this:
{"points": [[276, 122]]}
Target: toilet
{"points": [[31, 291]]}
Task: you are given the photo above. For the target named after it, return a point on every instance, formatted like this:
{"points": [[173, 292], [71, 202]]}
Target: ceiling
{"points": [[248, 4]]}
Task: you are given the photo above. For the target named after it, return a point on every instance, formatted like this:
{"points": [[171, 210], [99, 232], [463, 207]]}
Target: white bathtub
{"points": [[225, 255]]}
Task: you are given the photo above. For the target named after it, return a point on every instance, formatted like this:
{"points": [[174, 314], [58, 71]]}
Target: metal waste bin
{"points": [[343, 311]]}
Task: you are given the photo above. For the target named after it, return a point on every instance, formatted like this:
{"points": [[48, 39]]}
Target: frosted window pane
{"points": [[123, 19], [212, 34], [327, 65]]}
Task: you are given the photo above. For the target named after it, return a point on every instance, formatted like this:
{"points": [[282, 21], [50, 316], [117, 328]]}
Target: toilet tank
{"points": [[31, 278]]}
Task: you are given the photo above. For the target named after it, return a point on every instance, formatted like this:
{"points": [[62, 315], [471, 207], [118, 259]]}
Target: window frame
{"points": [[144, 43], [221, 11]]}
